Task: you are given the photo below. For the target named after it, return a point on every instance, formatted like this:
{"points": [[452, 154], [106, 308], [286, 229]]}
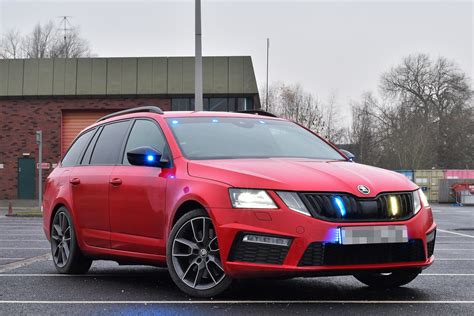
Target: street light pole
{"points": [[198, 101], [39, 141], [266, 89]]}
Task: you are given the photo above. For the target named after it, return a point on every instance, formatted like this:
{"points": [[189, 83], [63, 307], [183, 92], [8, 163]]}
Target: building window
{"points": [[244, 104], [217, 104], [213, 104], [181, 104]]}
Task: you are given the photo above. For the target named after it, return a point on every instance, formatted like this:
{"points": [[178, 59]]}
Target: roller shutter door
{"points": [[73, 122]]}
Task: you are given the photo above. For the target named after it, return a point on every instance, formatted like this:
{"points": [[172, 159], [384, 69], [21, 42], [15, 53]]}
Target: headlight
{"points": [[293, 201], [419, 199], [424, 199], [249, 198], [416, 201]]}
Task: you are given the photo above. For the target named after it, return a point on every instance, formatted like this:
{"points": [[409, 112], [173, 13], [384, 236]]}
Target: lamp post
{"points": [[39, 141], [198, 101]]}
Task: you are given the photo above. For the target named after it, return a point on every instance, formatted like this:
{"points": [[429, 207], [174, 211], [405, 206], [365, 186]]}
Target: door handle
{"points": [[116, 181], [75, 181]]}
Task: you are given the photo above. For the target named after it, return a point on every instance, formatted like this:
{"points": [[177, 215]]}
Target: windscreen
{"points": [[233, 138]]}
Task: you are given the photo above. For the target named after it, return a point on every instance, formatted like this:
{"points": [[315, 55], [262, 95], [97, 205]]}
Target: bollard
{"points": [[10, 208]]}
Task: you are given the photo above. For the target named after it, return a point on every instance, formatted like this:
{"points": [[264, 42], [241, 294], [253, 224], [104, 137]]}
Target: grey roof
{"points": [[124, 76]]}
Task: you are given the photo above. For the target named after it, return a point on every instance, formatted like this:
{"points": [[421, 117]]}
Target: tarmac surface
{"points": [[29, 283]]}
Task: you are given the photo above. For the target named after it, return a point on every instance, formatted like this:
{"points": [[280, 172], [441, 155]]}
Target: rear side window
{"points": [[72, 155], [145, 133], [108, 146], [87, 155]]}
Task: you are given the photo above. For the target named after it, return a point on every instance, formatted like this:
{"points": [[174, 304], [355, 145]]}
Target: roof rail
{"points": [[149, 108], [258, 112]]}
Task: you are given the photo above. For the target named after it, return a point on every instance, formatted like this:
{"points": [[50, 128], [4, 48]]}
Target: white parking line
{"points": [[147, 275], [451, 249], [24, 240], [38, 234], [17, 248], [454, 242], [454, 259], [23, 263], [213, 302], [455, 233]]}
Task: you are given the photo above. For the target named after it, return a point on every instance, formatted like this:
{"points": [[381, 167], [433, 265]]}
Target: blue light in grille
{"points": [[340, 205]]}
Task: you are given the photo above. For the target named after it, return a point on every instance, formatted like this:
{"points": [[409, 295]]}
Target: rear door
{"points": [[90, 183], [137, 195]]}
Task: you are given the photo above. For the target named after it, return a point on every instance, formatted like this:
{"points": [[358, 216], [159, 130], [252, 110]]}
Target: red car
{"points": [[220, 196]]}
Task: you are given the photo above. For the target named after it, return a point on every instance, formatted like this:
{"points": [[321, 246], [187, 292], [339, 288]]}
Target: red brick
{"points": [[21, 118]]}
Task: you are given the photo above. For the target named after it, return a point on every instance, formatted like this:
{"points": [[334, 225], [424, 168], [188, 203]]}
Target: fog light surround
{"points": [[267, 240], [431, 236]]}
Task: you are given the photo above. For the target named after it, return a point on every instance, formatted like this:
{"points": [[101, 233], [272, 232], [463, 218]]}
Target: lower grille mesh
{"points": [[256, 252], [328, 254]]}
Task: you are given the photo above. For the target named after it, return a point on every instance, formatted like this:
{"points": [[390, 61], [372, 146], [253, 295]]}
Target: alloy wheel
{"points": [[195, 254], [61, 239]]}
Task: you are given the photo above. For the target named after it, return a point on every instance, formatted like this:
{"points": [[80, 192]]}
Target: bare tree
{"points": [[11, 45], [440, 94], [294, 103], [71, 46], [45, 41], [40, 42]]}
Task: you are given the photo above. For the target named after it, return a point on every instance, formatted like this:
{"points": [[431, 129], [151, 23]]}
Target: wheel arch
{"points": [[186, 207]]}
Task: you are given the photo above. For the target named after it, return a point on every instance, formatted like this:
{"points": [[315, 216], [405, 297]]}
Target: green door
{"points": [[26, 178]]}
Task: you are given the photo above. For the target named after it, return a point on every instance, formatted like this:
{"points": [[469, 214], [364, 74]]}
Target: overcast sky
{"points": [[332, 47]]}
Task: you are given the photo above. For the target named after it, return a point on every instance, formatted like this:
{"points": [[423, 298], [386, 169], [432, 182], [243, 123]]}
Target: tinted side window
{"points": [[72, 155], [145, 133], [87, 155], [108, 146]]}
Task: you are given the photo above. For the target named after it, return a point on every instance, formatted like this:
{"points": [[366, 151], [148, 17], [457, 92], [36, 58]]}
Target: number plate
{"points": [[359, 235]]}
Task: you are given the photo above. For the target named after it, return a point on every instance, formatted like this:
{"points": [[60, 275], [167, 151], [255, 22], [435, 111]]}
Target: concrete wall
{"points": [[124, 76]]}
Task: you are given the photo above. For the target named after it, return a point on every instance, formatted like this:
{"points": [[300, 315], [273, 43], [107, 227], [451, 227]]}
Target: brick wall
{"points": [[21, 118]]}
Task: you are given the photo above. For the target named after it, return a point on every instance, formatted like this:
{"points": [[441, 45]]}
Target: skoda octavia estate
{"points": [[221, 196]]}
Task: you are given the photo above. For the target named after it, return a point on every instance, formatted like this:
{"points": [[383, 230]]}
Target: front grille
{"points": [[329, 254], [323, 206], [256, 252]]}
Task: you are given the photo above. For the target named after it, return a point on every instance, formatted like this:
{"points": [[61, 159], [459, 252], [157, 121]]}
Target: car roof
{"points": [[183, 114], [174, 114]]}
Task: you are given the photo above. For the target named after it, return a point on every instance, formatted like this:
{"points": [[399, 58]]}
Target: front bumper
{"points": [[307, 232]]}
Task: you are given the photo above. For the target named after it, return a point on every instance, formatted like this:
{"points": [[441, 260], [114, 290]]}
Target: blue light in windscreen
{"points": [[150, 158], [262, 122], [340, 205], [174, 122], [215, 121]]}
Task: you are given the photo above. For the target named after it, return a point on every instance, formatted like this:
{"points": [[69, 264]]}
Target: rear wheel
{"points": [[67, 256], [193, 256], [387, 280]]}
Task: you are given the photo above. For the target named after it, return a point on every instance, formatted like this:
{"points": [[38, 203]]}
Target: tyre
{"points": [[387, 280], [67, 257], [193, 256]]}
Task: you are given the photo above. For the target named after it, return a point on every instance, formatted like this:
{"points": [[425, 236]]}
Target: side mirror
{"points": [[348, 154], [146, 156]]}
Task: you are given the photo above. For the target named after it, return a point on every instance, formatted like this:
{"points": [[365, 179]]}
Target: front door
{"points": [[137, 196], [26, 178]]}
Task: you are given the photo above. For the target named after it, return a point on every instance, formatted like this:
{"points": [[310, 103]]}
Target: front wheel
{"points": [[193, 256], [387, 280]]}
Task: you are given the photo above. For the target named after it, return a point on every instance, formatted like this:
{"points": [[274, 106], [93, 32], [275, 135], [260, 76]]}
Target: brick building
{"points": [[63, 96]]}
